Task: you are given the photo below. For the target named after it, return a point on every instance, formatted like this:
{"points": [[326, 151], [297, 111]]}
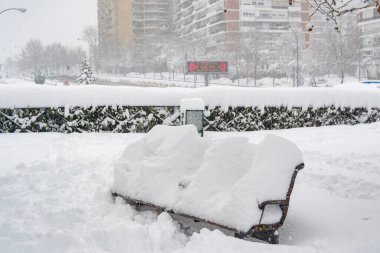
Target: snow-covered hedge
{"points": [[91, 119], [93, 108], [272, 118], [126, 119]]}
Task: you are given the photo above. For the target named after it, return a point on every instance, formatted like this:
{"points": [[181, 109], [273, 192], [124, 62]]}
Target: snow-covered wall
{"points": [[92, 95]]}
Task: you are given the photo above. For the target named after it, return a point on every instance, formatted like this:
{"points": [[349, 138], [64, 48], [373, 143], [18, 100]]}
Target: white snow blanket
{"points": [[21, 96], [219, 180], [192, 104], [55, 197]]}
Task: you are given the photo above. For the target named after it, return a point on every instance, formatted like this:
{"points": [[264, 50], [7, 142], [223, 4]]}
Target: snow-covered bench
{"points": [[229, 183]]}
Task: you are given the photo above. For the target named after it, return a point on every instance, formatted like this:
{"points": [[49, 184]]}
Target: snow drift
{"points": [[21, 96], [219, 180]]}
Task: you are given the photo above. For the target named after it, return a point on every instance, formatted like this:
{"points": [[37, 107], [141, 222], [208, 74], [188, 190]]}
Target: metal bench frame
{"points": [[264, 232]]}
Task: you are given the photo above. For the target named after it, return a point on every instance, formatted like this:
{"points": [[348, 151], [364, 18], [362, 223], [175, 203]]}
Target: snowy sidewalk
{"points": [[54, 197]]}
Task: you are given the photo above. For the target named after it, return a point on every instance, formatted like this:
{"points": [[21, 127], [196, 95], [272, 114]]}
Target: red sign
{"points": [[205, 67]]}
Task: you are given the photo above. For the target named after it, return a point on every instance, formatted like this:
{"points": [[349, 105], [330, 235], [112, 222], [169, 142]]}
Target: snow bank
{"points": [[92, 95], [217, 180], [215, 241], [55, 197], [192, 104]]}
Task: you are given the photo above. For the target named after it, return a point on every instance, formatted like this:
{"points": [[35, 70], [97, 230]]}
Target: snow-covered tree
{"points": [[174, 55], [39, 78], [55, 58], [314, 66], [280, 62], [31, 57], [87, 76], [253, 47], [332, 9], [74, 56], [340, 49], [90, 35]]}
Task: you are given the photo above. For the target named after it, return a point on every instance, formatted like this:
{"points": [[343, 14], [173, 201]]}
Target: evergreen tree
{"points": [[87, 76], [39, 78]]}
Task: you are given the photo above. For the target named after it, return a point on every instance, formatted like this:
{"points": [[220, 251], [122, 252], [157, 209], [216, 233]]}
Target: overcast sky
{"points": [[47, 20]]}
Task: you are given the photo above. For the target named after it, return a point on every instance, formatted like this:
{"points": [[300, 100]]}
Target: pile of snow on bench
{"points": [[218, 180]]}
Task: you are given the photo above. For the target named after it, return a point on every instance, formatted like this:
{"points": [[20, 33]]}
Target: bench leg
{"points": [[274, 239], [240, 235], [270, 236]]}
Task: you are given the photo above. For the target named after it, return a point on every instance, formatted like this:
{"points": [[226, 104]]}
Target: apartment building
{"points": [[205, 20], [270, 16], [305, 20], [115, 19], [220, 21], [368, 24], [204, 26], [124, 23], [151, 19]]}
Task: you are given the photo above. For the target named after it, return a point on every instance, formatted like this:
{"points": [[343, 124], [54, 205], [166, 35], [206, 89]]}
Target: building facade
{"points": [[203, 26], [151, 19], [270, 16], [305, 20], [114, 25], [221, 21], [368, 24], [123, 24]]}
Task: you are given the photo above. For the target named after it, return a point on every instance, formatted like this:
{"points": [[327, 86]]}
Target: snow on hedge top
{"points": [[220, 180], [192, 104], [20, 96]]}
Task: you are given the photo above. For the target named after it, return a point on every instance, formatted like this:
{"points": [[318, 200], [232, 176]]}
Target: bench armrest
{"points": [[285, 201], [272, 202], [284, 204]]}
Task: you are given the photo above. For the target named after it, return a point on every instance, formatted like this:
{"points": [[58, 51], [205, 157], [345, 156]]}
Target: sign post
{"points": [[206, 68], [192, 112]]}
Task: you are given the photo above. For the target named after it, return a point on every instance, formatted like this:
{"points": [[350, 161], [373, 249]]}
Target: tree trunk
{"points": [[237, 68], [246, 72], [342, 80]]}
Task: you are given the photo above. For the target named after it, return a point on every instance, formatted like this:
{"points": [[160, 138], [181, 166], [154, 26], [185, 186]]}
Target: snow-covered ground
{"points": [[190, 81], [166, 79], [55, 197], [27, 81], [16, 81]]}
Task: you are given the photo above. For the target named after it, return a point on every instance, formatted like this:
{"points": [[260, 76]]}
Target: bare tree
{"points": [[55, 58], [314, 64], [340, 49], [90, 35], [253, 47], [74, 56], [366, 64], [333, 9], [32, 56]]}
